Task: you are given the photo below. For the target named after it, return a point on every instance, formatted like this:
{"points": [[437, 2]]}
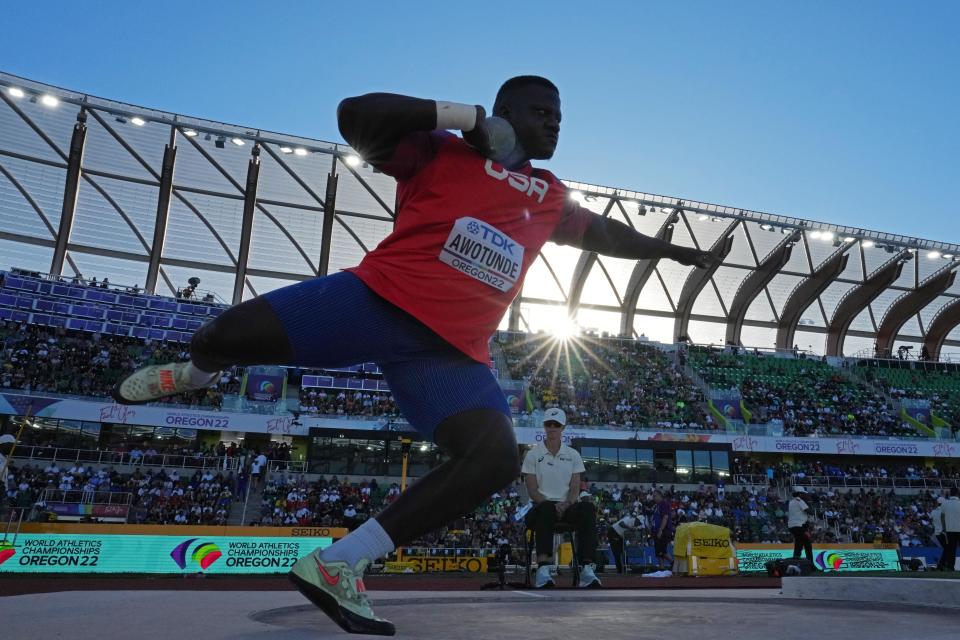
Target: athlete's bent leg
{"points": [[249, 333], [330, 321]]}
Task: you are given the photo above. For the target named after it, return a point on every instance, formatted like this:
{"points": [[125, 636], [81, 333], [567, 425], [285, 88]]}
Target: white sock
{"points": [[369, 541], [200, 378]]}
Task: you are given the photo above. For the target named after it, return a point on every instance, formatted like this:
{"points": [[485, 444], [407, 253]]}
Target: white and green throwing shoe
{"points": [[338, 590], [156, 381]]}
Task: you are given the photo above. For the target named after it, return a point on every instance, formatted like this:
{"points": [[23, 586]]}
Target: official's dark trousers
{"points": [[941, 540], [616, 547], [801, 542], [950, 550], [582, 515]]}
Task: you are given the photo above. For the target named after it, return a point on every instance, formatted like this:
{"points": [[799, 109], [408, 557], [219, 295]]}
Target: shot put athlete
{"points": [[472, 215]]}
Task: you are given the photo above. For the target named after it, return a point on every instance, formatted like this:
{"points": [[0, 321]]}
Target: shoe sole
{"points": [[345, 619], [119, 399]]}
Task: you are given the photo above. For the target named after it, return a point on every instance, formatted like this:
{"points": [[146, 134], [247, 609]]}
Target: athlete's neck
{"points": [[516, 158]]}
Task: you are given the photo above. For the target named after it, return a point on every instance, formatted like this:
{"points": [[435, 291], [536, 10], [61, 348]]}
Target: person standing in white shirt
{"points": [[552, 475], [618, 532], [939, 537], [950, 519], [797, 523]]}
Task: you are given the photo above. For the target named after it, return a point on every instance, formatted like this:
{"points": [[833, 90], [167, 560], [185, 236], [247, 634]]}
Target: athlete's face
{"points": [[534, 112]]}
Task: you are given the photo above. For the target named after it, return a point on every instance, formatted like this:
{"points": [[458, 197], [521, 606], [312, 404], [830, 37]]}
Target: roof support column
{"points": [[71, 190], [246, 230]]}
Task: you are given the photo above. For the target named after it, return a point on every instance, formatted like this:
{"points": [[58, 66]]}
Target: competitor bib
{"points": [[484, 253]]}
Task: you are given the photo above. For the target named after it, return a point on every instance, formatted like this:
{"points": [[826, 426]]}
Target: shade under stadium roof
{"points": [[103, 188]]}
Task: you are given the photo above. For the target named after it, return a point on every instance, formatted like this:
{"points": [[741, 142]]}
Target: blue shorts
{"points": [[337, 321]]}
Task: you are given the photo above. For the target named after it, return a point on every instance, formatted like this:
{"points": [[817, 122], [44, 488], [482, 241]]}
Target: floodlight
{"points": [[866, 244], [16, 92], [933, 255], [138, 121], [49, 101], [299, 151], [826, 236], [238, 141], [190, 133], [286, 150]]}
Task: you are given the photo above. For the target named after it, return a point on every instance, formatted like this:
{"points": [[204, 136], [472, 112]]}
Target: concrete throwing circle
{"points": [[532, 616]]}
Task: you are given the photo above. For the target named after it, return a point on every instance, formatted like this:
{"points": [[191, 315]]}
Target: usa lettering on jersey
{"points": [[533, 187], [484, 253]]}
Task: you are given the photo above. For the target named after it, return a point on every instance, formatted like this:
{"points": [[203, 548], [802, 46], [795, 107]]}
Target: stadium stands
{"points": [[158, 496], [811, 397], [604, 382], [938, 383]]}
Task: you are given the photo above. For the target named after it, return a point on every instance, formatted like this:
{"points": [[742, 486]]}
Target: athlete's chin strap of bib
{"points": [[483, 459]]}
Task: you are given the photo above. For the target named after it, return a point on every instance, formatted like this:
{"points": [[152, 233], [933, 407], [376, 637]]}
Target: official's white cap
{"points": [[555, 415], [799, 490]]}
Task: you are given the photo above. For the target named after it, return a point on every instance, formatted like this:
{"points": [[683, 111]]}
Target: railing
{"points": [[831, 482], [95, 456], [289, 466], [750, 479], [79, 496]]}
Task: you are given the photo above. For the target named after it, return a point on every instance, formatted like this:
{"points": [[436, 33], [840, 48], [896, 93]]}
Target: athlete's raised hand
{"points": [[693, 257]]}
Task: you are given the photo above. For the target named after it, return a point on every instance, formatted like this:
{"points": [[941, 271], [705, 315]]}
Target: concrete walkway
{"points": [[589, 615]]}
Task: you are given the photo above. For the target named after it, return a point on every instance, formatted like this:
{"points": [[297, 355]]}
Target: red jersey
{"points": [[467, 230]]}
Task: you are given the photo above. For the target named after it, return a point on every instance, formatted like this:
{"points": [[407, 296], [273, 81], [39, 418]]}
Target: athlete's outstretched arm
{"points": [[586, 230]]}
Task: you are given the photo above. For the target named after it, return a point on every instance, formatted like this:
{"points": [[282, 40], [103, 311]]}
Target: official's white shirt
{"points": [[627, 523], [795, 513], [553, 472], [937, 521], [951, 515]]}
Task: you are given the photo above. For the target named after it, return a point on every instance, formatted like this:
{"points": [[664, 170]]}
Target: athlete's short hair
{"points": [[516, 83]]}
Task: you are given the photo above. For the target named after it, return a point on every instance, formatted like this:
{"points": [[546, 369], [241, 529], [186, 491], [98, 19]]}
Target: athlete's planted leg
{"points": [[483, 459]]}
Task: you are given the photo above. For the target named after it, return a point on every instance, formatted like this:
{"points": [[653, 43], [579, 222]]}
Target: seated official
{"points": [[552, 474]]}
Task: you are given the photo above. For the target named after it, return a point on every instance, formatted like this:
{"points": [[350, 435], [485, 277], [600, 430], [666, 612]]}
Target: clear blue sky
{"points": [[838, 111]]}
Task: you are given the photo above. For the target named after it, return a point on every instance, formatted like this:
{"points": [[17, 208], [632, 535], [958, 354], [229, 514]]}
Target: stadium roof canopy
{"points": [[146, 197]]}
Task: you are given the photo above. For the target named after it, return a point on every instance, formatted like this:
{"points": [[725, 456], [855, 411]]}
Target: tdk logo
{"points": [[527, 184], [497, 239]]}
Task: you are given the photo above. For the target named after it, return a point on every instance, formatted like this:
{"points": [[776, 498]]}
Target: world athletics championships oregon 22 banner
{"points": [[834, 558], [85, 553]]}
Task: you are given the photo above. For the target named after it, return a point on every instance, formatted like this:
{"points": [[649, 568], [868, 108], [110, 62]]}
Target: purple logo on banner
{"points": [[262, 386], [919, 410], [515, 391], [727, 402]]}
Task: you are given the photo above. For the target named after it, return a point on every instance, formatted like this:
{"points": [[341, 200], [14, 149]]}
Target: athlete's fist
{"points": [[692, 257], [492, 137]]}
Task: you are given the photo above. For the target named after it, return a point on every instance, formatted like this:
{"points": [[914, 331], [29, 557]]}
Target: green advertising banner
{"points": [[75, 553], [755, 560]]}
